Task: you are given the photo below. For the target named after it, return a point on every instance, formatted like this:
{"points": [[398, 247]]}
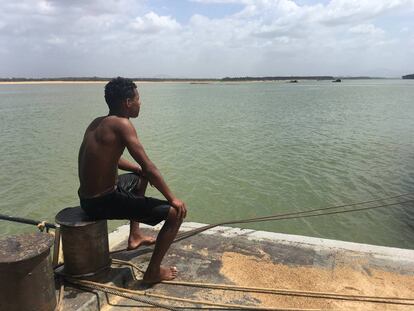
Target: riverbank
{"points": [[242, 257], [197, 82], [89, 80], [50, 82]]}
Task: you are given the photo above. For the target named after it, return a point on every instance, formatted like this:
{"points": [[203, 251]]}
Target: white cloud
{"points": [[153, 23], [55, 40], [348, 11], [264, 37], [366, 29], [221, 1]]}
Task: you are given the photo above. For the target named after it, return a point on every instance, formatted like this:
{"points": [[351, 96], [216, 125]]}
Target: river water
{"points": [[230, 151]]}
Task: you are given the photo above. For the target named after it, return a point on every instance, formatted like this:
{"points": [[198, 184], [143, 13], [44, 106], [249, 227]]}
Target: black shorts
{"points": [[123, 203]]}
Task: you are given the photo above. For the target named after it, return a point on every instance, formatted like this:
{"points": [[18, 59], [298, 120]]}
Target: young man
{"points": [[105, 195]]}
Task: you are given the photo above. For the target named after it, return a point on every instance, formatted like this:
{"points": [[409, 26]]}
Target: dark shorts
{"points": [[123, 203]]}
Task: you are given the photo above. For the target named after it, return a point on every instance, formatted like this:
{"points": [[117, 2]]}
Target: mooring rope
{"points": [[280, 291], [43, 224], [61, 294], [131, 294], [116, 290], [295, 215], [40, 224], [193, 232]]}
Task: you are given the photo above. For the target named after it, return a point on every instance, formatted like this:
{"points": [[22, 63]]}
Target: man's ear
{"points": [[128, 103]]}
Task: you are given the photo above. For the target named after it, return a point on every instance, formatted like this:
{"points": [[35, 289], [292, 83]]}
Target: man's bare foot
{"points": [[137, 241], [163, 274]]}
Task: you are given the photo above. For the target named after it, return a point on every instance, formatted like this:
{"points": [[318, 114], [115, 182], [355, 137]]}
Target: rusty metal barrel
{"points": [[26, 274], [84, 243]]}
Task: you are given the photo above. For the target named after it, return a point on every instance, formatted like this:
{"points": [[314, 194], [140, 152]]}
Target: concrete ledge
{"points": [[317, 244], [246, 257]]}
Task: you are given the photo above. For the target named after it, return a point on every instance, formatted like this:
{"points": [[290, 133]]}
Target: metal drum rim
{"points": [[73, 223], [45, 241]]}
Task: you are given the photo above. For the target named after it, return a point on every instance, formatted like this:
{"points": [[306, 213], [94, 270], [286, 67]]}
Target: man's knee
{"points": [[173, 217]]}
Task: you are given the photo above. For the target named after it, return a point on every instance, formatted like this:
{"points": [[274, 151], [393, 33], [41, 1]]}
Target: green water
{"points": [[229, 151]]}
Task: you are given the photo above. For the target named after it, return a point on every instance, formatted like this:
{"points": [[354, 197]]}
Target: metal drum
{"points": [[26, 274], [84, 242]]}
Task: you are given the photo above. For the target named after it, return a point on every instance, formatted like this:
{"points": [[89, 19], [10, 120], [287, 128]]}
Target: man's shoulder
{"points": [[115, 121], [121, 126]]}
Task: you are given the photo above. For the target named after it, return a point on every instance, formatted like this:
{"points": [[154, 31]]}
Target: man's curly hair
{"points": [[117, 90]]}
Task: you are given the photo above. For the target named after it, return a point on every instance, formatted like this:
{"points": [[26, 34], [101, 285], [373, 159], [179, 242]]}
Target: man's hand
{"points": [[129, 166], [180, 207], [139, 171]]}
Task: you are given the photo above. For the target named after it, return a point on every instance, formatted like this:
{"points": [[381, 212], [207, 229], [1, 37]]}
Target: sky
{"points": [[206, 38]]}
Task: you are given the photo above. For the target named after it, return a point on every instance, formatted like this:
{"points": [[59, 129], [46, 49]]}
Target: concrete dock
{"points": [[251, 258]]}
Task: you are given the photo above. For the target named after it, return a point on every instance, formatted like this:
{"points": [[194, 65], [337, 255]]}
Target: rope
{"points": [[61, 294], [278, 291], [116, 290], [27, 221], [313, 294], [41, 226], [294, 215], [123, 262]]}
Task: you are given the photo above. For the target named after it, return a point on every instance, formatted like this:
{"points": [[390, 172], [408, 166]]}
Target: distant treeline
{"points": [[226, 79], [101, 79], [411, 76], [278, 78]]}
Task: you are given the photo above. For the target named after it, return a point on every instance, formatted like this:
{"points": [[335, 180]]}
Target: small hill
{"points": [[411, 76]]}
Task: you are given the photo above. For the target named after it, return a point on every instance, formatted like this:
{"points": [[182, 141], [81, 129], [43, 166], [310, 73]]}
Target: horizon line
{"points": [[228, 78]]}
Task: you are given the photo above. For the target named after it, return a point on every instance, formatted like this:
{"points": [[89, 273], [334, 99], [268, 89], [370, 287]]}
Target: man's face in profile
{"points": [[134, 104]]}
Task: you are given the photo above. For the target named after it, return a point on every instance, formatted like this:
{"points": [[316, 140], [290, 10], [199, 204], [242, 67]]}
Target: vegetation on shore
{"points": [[411, 76], [276, 78], [226, 79], [98, 79]]}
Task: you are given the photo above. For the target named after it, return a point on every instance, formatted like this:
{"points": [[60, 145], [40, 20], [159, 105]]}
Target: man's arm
{"points": [[135, 148], [124, 164]]}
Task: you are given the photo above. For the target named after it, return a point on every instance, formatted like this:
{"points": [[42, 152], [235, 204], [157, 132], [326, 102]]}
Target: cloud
{"points": [[351, 11], [366, 29], [153, 23], [55, 40], [221, 1], [264, 37]]}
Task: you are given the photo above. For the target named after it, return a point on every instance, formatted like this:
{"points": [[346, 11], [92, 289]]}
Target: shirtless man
{"points": [[105, 195]]}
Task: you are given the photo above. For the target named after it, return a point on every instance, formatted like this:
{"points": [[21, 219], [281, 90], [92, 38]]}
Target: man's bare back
{"points": [[99, 155], [101, 194]]}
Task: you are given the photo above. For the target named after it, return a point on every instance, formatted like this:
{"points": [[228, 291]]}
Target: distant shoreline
{"points": [[49, 82], [97, 80]]}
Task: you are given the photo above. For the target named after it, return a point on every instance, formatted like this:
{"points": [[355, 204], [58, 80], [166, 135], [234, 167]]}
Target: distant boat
{"points": [[337, 80], [411, 76], [293, 81]]}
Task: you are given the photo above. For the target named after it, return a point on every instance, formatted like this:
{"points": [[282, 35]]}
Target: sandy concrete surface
{"points": [[257, 259]]}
